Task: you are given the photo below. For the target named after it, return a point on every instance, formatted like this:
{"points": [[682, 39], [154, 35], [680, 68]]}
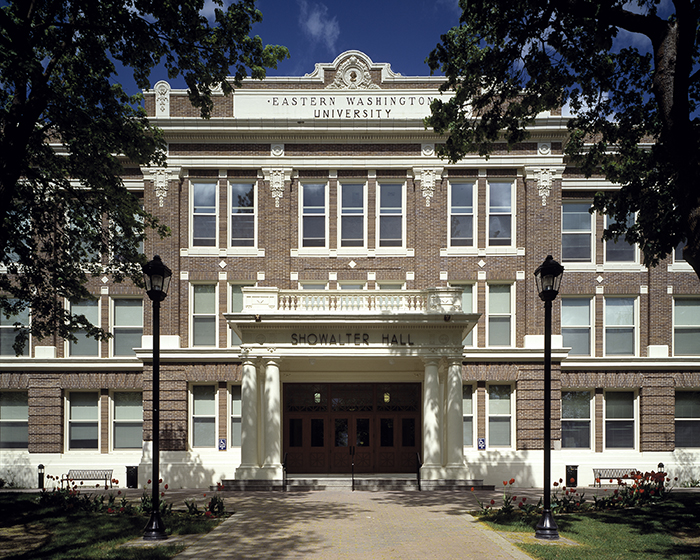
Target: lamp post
{"points": [[157, 278], [548, 278]]}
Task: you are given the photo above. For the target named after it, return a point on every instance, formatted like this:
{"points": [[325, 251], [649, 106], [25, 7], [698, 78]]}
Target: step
{"points": [[341, 482]]}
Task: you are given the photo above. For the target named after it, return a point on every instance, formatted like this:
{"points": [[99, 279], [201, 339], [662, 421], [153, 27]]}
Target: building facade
{"points": [[341, 295]]}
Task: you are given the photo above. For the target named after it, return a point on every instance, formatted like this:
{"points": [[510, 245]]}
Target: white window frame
{"points": [[634, 263], [695, 420], [685, 327], [635, 420], [577, 264], [469, 303], [8, 421], [468, 416], [450, 213], [360, 249], [589, 325], [232, 337], [510, 415], [497, 247], [114, 327], [490, 315], [192, 314], [634, 326], [80, 334], [350, 285], [204, 249], [251, 250], [397, 249], [193, 417], [117, 422], [69, 421], [588, 421], [8, 325], [235, 416], [323, 250]]}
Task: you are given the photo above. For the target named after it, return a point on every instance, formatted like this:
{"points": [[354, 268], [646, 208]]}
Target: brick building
{"points": [[341, 294]]}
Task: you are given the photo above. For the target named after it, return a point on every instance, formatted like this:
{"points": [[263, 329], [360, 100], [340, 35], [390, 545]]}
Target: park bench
{"points": [[88, 474], [599, 475]]}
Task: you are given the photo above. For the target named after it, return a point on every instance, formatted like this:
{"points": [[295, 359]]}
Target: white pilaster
{"points": [[249, 422], [272, 418], [431, 416], [454, 421]]}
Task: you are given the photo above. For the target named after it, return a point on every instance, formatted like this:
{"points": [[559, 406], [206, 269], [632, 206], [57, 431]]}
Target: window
{"points": [[461, 214], [499, 416], [499, 315], [678, 252], [619, 420], [619, 251], [576, 419], [128, 420], [203, 416], [351, 285], [686, 327], [83, 420], [352, 215], [242, 214], [576, 232], [236, 306], [14, 420], [576, 325], [467, 416], [467, 307], [128, 326], [500, 220], [236, 416], [687, 418], [204, 215], [10, 327], [204, 315], [619, 326], [313, 217], [395, 286], [84, 345], [390, 228]]}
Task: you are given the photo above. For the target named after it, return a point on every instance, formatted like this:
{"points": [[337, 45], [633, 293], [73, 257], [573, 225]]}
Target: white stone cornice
{"points": [[277, 177], [161, 177]]}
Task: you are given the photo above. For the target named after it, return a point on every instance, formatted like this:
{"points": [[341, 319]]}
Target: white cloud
{"points": [[317, 24]]}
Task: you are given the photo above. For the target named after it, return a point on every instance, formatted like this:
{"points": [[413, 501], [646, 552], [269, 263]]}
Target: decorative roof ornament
{"points": [[353, 74]]}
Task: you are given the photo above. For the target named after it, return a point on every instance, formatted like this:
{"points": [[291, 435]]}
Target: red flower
{"points": [[472, 489], [512, 481], [110, 510], [160, 481], [121, 510], [493, 502], [119, 492], [505, 483], [515, 498], [556, 484], [166, 486], [205, 495], [162, 494], [572, 480], [149, 481], [524, 499]]}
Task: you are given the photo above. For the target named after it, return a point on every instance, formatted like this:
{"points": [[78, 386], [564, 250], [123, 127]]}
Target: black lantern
{"points": [[548, 277], [41, 476], [157, 278]]}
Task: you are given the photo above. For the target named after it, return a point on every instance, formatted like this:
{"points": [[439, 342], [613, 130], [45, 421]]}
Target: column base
{"points": [[449, 472], [254, 472]]}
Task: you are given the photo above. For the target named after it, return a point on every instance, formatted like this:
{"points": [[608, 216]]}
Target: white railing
{"points": [[437, 300]]}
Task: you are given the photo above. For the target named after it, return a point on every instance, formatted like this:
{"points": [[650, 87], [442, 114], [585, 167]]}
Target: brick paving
{"points": [[341, 525]]}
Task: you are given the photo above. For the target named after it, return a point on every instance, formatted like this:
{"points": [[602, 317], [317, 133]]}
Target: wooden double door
{"points": [[328, 427]]}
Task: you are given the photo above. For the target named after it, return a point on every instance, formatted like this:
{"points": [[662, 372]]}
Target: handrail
{"points": [[418, 466]]}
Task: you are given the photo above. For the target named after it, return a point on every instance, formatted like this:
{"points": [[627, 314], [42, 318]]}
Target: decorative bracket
{"points": [[161, 177], [277, 178], [428, 176]]}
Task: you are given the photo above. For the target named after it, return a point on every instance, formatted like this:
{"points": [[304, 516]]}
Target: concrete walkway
{"points": [[340, 525]]}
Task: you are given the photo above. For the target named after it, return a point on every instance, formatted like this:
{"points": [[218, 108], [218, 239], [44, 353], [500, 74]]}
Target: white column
{"points": [[272, 421], [455, 423], [431, 416], [249, 421]]}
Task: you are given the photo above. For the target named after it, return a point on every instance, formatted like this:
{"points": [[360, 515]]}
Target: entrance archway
{"points": [[327, 426]]}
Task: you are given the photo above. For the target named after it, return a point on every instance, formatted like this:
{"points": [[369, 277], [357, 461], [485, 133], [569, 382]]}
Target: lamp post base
{"points": [[155, 529], [547, 527]]}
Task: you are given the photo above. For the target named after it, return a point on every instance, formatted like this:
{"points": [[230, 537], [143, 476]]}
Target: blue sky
{"points": [[400, 32]]}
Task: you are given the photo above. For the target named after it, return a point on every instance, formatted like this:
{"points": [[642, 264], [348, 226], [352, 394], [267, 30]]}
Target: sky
{"points": [[400, 32]]}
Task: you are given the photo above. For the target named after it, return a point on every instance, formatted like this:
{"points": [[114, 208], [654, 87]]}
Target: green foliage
{"points": [[633, 102], [68, 128]]}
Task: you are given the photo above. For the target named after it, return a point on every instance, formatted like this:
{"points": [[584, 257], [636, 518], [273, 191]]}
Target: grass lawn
{"points": [[667, 530], [28, 531]]}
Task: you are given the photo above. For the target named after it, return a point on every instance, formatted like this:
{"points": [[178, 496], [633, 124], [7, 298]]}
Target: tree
{"points": [[628, 72], [67, 128]]}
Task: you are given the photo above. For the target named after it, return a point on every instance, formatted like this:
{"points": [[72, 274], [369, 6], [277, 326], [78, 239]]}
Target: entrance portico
{"points": [[413, 340]]}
